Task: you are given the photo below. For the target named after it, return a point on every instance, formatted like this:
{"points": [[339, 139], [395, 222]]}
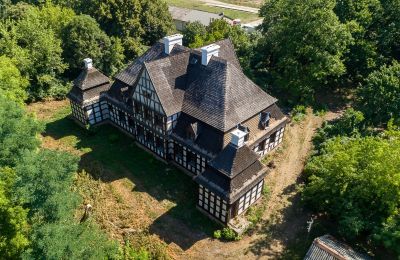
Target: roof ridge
{"points": [[227, 76], [167, 57]]}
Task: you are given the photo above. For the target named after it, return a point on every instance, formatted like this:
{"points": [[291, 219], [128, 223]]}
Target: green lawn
{"points": [[232, 14], [250, 3]]}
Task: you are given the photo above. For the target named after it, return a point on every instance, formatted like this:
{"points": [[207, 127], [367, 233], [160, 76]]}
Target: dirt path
{"points": [[283, 217]]}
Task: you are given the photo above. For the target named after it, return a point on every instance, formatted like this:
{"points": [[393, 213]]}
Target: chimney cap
{"points": [[210, 48], [88, 63], [208, 51], [170, 41]]}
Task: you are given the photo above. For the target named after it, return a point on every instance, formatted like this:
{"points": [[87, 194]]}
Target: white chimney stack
{"points": [[238, 137], [88, 63], [170, 41], [207, 52]]}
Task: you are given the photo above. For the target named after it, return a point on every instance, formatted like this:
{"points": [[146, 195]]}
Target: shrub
{"points": [[217, 234], [299, 112]]}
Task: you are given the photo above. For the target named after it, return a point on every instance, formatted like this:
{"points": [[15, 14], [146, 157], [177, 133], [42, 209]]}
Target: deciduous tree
{"points": [[379, 96], [303, 46]]}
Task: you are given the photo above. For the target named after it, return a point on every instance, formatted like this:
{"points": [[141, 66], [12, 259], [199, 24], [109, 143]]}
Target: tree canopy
{"points": [[303, 45], [379, 96], [356, 181], [12, 84], [83, 38]]}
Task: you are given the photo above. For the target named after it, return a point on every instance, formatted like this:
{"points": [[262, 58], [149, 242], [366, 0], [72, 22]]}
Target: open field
{"points": [[250, 3], [138, 198], [199, 5]]}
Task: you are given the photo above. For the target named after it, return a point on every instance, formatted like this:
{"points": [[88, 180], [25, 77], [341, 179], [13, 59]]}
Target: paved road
{"points": [[231, 6]]}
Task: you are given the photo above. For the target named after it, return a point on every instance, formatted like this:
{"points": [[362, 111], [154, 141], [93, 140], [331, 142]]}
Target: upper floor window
{"points": [[146, 94], [147, 114], [272, 138], [138, 108], [190, 158], [264, 119], [158, 120]]}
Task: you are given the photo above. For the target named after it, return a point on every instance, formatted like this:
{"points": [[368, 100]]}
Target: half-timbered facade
{"points": [[194, 108]]}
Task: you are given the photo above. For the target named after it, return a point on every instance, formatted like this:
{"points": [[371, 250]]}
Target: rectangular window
{"points": [[147, 114], [140, 131], [191, 158], [261, 146], [138, 108], [178, 151], [272, 138], [121, 116], [130, 122], [159, 144], [158, 120], [149, 137]]}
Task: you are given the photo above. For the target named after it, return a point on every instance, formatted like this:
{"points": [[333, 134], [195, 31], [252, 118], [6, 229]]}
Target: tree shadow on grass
{"points": [[286, 227], [118, 153]]}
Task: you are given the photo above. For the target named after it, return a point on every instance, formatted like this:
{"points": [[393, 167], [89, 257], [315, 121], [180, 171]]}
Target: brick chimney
{"points": [[207, 52], [170, 41]]}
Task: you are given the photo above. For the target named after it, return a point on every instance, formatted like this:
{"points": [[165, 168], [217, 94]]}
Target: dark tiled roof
{"points": [[208, 138], [328, 248], [169, 79], [130, 74], [90, 78], [232, 160], [218, 94], [90, 84], [232, 172]]}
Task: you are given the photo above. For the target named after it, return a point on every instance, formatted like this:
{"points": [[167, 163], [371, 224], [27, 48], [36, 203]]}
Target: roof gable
{"points": [[146, 94], [90, 78]]}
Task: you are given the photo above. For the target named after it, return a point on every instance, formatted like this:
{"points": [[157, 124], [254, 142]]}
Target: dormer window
{"points": [[264, 119], [192, 131]]}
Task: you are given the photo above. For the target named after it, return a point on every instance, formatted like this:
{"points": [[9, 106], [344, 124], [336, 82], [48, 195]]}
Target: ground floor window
{"points": [[250, 197], [178, 151], [78, 113], [213, 204]]}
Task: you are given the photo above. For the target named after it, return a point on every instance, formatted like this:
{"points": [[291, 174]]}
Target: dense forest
{"points": [[303, 50]]}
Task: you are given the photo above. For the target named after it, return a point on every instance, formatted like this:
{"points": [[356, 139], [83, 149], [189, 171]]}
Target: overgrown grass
{"points": [[114, 152], [197, 5]]}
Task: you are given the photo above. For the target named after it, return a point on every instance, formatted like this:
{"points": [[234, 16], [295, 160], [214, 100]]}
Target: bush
{"points": [[226, 234], [299, 112], [217, 234]]}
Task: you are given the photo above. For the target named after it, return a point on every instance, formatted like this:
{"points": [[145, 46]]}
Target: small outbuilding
{"points": [[328, 248]]}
